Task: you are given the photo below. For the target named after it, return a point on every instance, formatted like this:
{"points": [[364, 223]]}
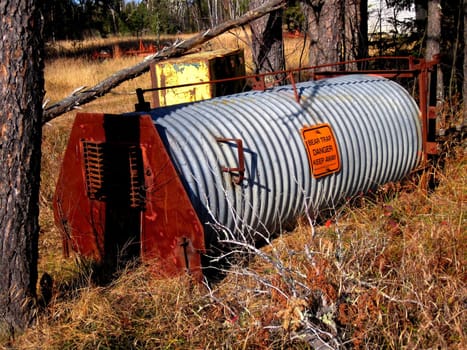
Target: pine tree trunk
{"points": [[433, 34], [325, 21], [267, 41], [338, 31], [433, 44], [355, 38], [21, 93], [464, 86]]}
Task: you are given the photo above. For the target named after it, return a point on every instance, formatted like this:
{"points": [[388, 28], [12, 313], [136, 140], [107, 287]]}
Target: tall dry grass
{"points": [[65, 74], [384, 271]]}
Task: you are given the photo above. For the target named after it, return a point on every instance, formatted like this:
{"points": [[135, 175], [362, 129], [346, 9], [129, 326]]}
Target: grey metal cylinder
{"points": [[376, 126]]}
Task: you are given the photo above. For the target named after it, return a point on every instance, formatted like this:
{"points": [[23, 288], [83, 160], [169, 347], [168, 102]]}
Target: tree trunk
{"points": [[267, 43], [433, 32], [362, 16], [433, 43], [464, 85], [325, 22], [355, 39], [21, 93], [338, 30]]}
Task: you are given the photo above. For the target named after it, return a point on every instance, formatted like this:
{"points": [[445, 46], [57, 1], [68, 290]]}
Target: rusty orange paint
{"points": [[321, 147], [123, 191]]}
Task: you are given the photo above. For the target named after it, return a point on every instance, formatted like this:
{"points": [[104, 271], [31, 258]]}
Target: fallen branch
{"points": [[177, 49]]}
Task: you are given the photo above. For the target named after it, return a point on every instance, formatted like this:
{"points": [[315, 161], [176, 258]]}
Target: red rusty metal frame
{"points": [[94, 221], [118, 52], [160, 215], [241, 160], [417, 69]]}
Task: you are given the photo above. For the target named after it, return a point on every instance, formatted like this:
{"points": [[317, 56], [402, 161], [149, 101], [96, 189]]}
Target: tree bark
{"points": [[356, 30], [267, 42], [21, 93], [338, 31], [433, 28], [82, 97], [325, 22], [464, 85], [433, 44]]}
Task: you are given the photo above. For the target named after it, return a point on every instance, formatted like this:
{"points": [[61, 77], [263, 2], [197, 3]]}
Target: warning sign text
{"points": [[322, 149]]}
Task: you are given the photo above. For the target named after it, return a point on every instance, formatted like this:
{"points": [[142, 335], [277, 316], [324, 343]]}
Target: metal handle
{"points": [[241, 160]]}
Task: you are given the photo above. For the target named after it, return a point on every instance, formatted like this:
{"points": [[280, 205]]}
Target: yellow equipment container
{"points": [[195, 68]]}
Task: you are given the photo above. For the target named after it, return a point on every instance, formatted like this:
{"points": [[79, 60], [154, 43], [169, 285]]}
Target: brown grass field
{"points": [[386, 271]]}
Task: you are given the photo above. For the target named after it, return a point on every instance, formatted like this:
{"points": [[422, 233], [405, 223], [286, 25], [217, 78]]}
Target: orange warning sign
{"points": [[321, 147]]}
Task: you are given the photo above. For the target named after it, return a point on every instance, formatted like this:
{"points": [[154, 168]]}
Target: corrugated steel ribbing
{"points": [[374, 120]]}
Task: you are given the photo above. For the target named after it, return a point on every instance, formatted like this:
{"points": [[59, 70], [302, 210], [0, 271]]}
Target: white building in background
{"points": [[381, 17]]}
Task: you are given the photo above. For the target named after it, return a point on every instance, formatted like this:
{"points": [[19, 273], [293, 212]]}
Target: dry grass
{"points": [[385, 271], [65, 74]]}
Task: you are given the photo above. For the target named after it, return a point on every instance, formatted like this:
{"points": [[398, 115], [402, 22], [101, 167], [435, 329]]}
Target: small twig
{"points": [[387, 296]]}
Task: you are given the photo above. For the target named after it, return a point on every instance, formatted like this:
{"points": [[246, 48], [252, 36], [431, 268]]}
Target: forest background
{"points": [[386, 270], [354, 29]]}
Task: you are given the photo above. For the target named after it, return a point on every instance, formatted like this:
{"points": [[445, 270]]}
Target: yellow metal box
{"points": [[195, 68]]}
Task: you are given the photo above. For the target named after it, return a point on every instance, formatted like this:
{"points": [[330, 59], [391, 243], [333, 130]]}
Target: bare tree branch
{"points": [[84, 96]]}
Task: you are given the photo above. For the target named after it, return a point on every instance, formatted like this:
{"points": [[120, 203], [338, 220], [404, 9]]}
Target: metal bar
{"points": [[142, 105], [403, 73], [155, 94], [295, 92], [241, 160], [384, 73], [423, 105]]}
